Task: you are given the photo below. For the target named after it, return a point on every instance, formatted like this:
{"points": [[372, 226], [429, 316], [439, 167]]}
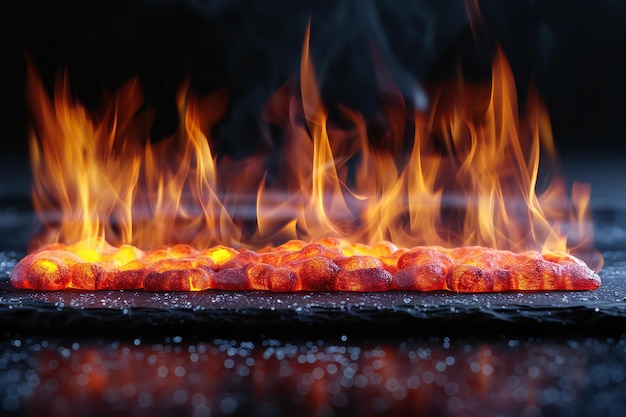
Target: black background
{"points": [[574, 51]]}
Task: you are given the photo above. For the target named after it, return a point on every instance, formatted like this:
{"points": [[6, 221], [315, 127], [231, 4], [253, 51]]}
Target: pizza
{"points": [[326, 265]]}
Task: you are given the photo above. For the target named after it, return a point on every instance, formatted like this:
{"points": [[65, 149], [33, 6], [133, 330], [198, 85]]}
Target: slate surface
{"points": [[394, 312], [306, 311]]}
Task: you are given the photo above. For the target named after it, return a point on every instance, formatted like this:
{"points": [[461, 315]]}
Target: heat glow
{"points": [[465, 172]]}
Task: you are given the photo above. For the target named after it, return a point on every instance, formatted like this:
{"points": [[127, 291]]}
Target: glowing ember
{"points": [[466, 177], [330, 264]]}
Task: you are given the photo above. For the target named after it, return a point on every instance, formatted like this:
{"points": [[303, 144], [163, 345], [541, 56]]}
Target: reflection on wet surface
{"points": [[437, 376]]}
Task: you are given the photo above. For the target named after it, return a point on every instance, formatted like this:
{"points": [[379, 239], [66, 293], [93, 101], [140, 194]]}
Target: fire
{"points": [[465, 172]]}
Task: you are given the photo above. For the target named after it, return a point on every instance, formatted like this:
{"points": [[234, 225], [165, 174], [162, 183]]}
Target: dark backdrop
{"points": [[574, 50]]}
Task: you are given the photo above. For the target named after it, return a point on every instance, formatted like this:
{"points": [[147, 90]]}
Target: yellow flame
{"points": [[469, 177]]}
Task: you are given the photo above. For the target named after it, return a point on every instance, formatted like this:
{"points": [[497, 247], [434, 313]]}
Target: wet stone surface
{"points": [[144, 310]]}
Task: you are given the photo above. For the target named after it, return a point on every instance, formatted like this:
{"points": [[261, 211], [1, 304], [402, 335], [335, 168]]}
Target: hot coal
{"points": [[303, 311]]}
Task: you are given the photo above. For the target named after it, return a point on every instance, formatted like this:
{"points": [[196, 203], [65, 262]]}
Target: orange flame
{"points": [[469, 177]]}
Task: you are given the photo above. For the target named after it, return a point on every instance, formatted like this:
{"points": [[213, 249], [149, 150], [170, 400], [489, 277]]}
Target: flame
{"points": [[467, 175]]}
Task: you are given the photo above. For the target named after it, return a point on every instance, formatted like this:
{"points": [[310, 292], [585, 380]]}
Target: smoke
{"points": [[251, 48], [351, 43]]}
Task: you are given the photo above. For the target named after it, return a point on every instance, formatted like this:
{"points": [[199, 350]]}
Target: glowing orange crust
{"points": [[328, 265]]}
